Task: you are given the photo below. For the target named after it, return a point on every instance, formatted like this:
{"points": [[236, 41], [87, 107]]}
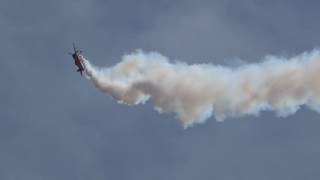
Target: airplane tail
{"points": [[80, 70]]}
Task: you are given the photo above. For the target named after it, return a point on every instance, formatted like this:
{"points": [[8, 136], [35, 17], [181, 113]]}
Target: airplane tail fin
{"points": [[80, 70]]}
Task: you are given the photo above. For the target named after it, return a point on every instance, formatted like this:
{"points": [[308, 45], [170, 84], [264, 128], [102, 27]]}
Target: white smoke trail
{"points": [[195, 92]]}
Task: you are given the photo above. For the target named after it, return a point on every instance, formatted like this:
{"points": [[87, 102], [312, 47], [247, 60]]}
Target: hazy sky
{"points": [[55, 125]]}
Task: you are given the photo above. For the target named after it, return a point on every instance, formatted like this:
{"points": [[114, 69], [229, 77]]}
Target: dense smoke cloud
{"points": [[195, 92]]}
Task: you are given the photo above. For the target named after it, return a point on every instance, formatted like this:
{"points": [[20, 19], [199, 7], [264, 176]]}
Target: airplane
{"points": [[77, 57]]}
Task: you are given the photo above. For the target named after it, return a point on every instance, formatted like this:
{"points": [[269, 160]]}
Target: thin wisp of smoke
{"points": [[196, 92]]}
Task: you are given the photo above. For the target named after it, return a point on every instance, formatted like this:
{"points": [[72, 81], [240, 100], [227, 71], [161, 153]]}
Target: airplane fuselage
{"points": [[78, 63]]}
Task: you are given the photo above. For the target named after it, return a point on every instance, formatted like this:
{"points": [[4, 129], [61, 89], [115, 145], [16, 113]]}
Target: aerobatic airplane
{"points": [[77, 57]]}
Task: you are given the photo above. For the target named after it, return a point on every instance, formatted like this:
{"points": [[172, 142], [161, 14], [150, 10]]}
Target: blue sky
{"points": [[55, 125]]}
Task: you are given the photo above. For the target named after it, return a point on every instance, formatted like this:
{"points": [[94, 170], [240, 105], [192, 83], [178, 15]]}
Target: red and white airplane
{"points": [[77, 57]]}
